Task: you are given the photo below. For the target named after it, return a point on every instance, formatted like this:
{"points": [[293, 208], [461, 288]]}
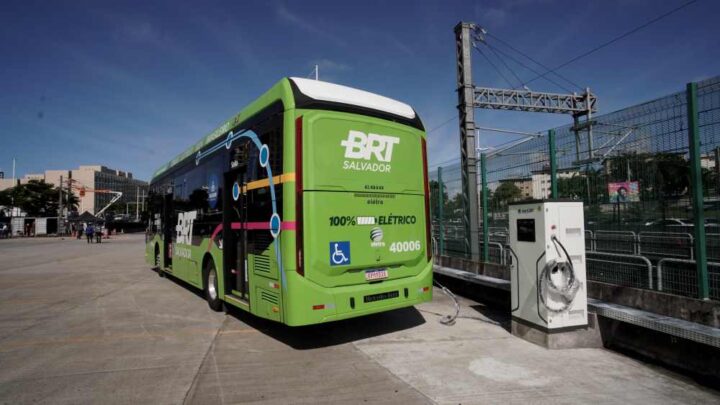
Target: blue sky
{"points": [[131, 84]]}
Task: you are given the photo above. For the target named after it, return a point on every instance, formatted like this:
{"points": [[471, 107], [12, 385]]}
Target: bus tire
{"points": [[158, 265], [211, 287]]}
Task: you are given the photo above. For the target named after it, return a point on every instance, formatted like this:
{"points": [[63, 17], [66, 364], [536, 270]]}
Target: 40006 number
{"points": [[406, 246]]}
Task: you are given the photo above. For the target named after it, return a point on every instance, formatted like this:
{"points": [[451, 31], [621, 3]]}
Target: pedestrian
{"points": [[3, 231], [89, 231], [99, 234]]}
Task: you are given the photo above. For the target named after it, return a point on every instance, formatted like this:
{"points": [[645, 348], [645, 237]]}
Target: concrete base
{"points": [[588, 337]]}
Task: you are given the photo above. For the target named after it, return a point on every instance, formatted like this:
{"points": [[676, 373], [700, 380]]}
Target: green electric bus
{"points": [[310, 205]]}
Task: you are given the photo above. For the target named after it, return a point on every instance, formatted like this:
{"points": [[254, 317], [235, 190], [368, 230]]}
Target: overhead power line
{"points": [[533, 60], [494, 51], [612, 41], [530, 69], [454, 117], [493, 65]]}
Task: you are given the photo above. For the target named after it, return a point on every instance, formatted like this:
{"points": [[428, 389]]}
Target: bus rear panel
{"points": [[364, 237]]}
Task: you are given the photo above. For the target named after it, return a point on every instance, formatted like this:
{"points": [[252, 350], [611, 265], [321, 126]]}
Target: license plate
{"points": [[378, 274]]}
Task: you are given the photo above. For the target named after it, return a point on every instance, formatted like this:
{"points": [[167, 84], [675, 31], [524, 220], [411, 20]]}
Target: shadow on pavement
{"points": [[334, 333], [496, 316], [328, 334]]}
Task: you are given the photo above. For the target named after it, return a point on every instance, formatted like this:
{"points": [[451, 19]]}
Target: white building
{"points": [[541, 185]]}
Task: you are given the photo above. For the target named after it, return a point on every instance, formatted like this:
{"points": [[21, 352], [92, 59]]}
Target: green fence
{"points": [[651, 189]]}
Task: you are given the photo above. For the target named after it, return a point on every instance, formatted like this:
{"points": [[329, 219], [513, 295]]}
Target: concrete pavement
{"points": [[86, 323]]}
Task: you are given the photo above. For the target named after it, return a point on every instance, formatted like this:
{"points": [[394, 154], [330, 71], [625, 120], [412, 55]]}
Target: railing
{"points": [[712, 241], [496, 251], [589, 241], [662, 261], [681, 280], [666, 244], [618, 268], [616, 242]]}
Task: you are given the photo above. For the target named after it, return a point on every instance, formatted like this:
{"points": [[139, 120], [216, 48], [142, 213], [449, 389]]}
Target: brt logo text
{"points": [[359, 146], [184, 227]]}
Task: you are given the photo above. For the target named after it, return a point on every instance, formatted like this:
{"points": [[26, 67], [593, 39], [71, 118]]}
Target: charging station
{"points": [[548, 284]]}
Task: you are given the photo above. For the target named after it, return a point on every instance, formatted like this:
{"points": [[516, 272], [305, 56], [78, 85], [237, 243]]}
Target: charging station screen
{"points": [[526, 230]]}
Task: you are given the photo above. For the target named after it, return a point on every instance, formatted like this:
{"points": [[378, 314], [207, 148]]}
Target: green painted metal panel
{"points": [[697, 192], [441, 214], [553, 165]]}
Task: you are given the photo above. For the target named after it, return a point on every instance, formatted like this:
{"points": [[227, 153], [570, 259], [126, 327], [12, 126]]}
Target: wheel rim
{"points": [[212, 288]]}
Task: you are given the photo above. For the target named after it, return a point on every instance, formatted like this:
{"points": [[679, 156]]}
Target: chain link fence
{"points": [[634, 178]]}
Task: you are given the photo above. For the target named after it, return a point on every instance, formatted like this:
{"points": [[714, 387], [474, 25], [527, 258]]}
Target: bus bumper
{"points": [[315, 304]]}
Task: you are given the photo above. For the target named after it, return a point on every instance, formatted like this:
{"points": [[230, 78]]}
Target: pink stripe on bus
{"points": [[254, 226], [288, 226], [214, 234]]}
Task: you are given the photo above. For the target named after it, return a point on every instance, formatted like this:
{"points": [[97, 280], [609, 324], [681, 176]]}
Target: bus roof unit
{"points": [[335, 93]]}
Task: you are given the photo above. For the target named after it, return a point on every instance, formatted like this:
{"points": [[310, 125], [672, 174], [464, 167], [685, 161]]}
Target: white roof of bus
{"points": [[325, 91]]}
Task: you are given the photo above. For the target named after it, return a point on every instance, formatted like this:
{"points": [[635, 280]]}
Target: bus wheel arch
{"points": [[210, 283]]}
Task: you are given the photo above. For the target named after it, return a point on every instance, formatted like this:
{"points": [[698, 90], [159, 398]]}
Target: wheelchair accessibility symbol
{"points": [[339, 253]]}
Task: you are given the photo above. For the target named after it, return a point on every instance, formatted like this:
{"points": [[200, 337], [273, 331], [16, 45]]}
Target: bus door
{"points": [[167, 228], [235, 233]]}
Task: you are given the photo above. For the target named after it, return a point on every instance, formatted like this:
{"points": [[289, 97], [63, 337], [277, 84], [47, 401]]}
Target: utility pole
{"points": [[467, 36], [12, 195], [468, 161], [61, 223], [137, 204]]}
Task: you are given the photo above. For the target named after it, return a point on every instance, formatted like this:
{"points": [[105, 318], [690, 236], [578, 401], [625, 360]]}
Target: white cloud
{"points": [[305, 25]]}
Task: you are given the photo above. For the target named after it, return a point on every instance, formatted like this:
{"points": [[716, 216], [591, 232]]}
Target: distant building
{"points": [[7, 183], [710, 160], [90, 178], [541, 185], [32, 176], [525, 185]]}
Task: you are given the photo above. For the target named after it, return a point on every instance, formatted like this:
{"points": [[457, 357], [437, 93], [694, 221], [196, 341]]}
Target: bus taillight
{"points": [[428, 243], [299, 196]]}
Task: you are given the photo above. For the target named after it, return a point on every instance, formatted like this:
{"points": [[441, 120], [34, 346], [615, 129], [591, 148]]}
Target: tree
{"points": [[505, 193], [661, 175], [36, 198], [574, 187]]}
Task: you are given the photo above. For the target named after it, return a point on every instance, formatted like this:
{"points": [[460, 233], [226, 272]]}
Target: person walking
{"points": [[99, 234], [89, 231], [79, 231]]}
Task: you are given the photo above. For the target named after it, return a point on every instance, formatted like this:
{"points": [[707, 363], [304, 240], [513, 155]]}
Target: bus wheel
{"points": [[157, 262], [211, 287]]}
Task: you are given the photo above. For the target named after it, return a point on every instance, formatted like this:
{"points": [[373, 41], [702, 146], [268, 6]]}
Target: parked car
{"points": [[712, 225], [669, 223]]}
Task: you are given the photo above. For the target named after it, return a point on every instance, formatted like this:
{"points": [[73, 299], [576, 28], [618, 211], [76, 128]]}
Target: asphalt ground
{"points": [[93, 323]]}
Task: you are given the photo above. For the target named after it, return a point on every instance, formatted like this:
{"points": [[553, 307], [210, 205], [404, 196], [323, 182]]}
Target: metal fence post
{"points": [[553, 165], [485, 224], [441, 227], [697, 192]]}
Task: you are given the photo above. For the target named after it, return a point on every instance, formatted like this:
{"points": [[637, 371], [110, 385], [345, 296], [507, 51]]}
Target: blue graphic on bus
{"points": [[339, 253], [236, 191], [212, 191]]}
